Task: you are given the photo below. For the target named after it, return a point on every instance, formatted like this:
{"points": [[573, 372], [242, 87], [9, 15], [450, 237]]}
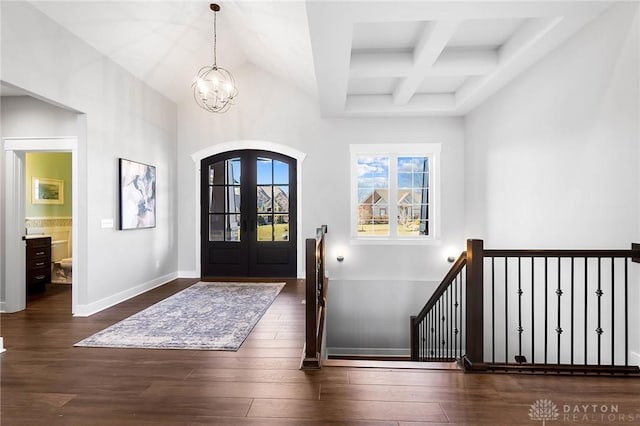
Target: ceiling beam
{"points": [[383, 105], [514, 56], [452, 61], [380, 64], [462, 62], [432, 42]]}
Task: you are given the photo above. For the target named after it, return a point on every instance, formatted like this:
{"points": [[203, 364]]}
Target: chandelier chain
{"points": [[215, 40]]}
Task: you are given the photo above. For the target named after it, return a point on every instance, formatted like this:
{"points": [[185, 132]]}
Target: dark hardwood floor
{"points": [[46, 381]]}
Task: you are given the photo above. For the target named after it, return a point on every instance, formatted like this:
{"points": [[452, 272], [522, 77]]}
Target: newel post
{"points": [[413, 338], [474, 357], [311, 358]]}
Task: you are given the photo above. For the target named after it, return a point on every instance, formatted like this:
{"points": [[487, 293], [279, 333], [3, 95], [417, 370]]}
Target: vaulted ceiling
{"points": [[360, 58]]}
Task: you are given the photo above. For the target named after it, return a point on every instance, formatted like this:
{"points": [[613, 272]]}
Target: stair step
{"points": [[365, 363]]}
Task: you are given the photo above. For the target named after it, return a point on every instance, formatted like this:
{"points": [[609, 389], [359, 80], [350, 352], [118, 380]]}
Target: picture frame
{"points": [[47, 191], [137, 195]]}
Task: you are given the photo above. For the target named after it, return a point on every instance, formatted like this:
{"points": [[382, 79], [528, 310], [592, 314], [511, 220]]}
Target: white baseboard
{"points": [[634, 358], [2, 349], [369, 351], [195, 274], [188, 274], [107, 302]]}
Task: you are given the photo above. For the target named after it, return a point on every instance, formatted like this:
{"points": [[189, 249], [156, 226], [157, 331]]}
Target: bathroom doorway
{"points": [[19, 226], [48, 220]]}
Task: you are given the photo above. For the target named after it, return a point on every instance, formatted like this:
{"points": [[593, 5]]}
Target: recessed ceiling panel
{"points": [[490, 33], [386, 35], [437, 84]]}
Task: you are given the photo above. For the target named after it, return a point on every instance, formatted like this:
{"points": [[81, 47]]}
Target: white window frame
{"points": [[393, 151]]}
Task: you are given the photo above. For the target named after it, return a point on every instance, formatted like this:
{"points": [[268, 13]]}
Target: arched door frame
{"points": [[220, 148]]}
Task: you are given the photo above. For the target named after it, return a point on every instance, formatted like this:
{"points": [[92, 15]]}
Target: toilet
{"points": [[62, 265], [66, 265]]}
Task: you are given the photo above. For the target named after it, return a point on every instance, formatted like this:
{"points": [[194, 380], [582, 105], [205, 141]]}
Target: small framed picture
{"points": [[137, 195], [47, 191]]}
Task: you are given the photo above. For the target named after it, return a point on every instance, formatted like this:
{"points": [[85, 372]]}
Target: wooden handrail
{"points": [[316, 299], [456, 268], [561, 253], [445, 284]]}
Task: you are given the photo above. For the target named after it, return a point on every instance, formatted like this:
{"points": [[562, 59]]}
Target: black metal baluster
{"points": [[455, 318], [559, 293], [425, 336], [613, 309], [425, 339], [447, 308], [444, 325], [431, 333], [586, 297], [546, 310], [450, 323], [520, 307], [533, 310], [626, 313], [443, 332], [460, 312], [439, 328], [463, 284], [599, 293], [425, 343], [506, 311], [493, 311], [572, 282], [434, 337]]}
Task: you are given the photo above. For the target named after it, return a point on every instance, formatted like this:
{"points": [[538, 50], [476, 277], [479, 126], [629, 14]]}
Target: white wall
{"points": [[26, 116], [553, 159], [270, 109], [124, 118]]}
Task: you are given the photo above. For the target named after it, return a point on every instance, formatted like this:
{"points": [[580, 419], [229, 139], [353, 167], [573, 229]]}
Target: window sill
{"points": [[396, 241]]}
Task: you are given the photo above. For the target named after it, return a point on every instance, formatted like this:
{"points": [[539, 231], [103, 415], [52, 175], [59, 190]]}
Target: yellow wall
{"points": [[53, 166]]}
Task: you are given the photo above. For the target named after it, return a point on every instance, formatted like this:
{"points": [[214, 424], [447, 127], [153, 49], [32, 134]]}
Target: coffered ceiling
{"points": [[376, 58], [430, 58]]}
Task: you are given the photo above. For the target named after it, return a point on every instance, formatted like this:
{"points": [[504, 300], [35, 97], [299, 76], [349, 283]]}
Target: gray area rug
{"points": [[210, 316]]}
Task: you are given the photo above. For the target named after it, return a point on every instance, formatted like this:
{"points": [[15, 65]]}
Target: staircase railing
{"points": [[537, 311], [315, 300], [437, 331]]}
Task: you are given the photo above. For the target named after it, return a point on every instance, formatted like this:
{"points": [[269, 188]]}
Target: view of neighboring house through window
{"points": [[393, 191], [373, 195]]}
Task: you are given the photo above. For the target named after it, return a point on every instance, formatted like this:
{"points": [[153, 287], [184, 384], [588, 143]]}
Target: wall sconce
{"points": [[340, 258]]}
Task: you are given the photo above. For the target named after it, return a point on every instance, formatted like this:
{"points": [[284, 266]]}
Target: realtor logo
{"points": [[543, 410]]}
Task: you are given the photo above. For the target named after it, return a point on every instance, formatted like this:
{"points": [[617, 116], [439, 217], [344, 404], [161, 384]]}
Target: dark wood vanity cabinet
{"points": [[38, 263]]}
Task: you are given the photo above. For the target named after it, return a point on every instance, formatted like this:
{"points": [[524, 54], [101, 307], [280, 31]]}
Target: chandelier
{"points": [[214, 88]]}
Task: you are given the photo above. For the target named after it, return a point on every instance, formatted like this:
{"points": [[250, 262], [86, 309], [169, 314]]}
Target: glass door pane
{"points": [[224, 200], [272, 195]]}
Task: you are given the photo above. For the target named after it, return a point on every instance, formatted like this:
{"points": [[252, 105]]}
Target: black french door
{"points": [[248, 206]]}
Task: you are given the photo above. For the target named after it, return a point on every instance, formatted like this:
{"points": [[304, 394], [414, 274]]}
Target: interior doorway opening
{"points": [[17, 186]]}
